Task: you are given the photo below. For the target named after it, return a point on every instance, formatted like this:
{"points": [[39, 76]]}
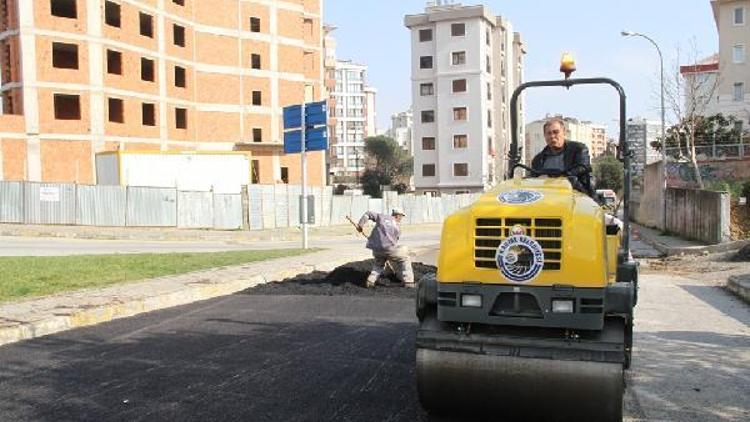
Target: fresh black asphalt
{"points": [[311, 351]]}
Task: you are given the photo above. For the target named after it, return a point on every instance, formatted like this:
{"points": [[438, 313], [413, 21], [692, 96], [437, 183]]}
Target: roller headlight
{"points": [[562, 306], [471, 301]]}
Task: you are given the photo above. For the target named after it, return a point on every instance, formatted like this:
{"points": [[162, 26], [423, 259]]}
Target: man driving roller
{"points": [[561, 155]]}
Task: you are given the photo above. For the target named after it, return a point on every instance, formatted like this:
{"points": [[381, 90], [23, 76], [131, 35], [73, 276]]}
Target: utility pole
{"points": [[663, 130]]}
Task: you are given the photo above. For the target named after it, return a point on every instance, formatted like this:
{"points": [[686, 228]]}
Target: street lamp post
{"points": [[663, 137]]}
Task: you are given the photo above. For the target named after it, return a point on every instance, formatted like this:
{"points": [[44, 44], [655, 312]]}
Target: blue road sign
{"points": [[315, 114], [292, 117], [316, 133], [317, 140]]}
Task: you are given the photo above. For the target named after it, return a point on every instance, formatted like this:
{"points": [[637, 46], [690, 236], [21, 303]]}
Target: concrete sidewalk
{"points": [[673, 245], [173, 233], [37, 317]]}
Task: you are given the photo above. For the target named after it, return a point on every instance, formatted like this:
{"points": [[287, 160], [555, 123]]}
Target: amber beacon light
{"points": [[567, 64]]}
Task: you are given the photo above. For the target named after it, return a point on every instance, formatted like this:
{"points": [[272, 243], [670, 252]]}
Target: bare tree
{"points": [[688, 98]]}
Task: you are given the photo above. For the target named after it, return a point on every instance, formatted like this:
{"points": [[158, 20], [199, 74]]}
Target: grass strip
{"points": [[24, 277]]}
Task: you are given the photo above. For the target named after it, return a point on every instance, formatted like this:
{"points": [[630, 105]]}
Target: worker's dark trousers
{"points": [[399, 259]]}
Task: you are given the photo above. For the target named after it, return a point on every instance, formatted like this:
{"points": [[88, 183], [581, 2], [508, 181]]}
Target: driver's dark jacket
{"points": [[574, 153]]}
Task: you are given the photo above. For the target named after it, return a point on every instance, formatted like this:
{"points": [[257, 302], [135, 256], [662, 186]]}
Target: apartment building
{"points": [[402, 124], [640, 134], [598, 140], [354, 115], [701, 86], [733, 88], [466, 62], [81, 77]]}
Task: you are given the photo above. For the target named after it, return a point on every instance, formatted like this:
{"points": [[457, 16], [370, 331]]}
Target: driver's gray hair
{"points": [[557, 120]]}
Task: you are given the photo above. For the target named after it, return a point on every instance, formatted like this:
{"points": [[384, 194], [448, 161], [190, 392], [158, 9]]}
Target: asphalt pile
{"points": [[743, 254], [348, 280]]}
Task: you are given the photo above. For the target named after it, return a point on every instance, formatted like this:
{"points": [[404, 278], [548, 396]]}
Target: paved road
{"points": [[276, 353], [40, 246]]}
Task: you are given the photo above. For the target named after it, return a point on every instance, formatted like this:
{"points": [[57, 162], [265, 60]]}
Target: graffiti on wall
{"points": [[683, 174]]}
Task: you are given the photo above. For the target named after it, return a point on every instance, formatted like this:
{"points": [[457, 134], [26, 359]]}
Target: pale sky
{"points": [[372, 33]]}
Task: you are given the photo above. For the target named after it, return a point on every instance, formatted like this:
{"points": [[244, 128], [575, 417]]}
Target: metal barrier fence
{"points": [[258, 207]]}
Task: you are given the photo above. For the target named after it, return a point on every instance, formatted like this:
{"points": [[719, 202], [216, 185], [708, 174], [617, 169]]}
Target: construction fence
{"points": [[256, 207]]}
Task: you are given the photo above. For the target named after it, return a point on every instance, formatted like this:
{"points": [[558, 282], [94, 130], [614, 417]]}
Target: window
{"points": [[178, 35], [425, 62], [179, 77], [458, 30], [428, 116], [425, 35], [147, 25], [460, 141], [489, 65], [458, 58], [739, 91], [255, 178], [254, 24], [459, 113], [114, 62], [257, 98], [426, 89], [489, 91], [180, 117], [148, 114], [739, 15], [64, 8], [738, 126], [489, 118], [67, 107], [115, 110], [179, 2], [428, 170], [285, 175], [738, 53], [112, 14], [428, 143], [459, 85], [257, 134], [147, 69], [64, 56], [487, 36], [255, 61], [460, 169]]}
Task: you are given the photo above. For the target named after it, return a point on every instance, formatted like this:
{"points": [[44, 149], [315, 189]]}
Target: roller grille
{"points": [[490, 232]]}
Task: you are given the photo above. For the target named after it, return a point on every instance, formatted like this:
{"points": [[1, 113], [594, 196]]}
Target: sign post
{"points": [[305, 130], [304, 179]]}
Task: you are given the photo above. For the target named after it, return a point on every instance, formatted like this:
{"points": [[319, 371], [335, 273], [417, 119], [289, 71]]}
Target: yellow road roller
{"points": [[530, 313]]}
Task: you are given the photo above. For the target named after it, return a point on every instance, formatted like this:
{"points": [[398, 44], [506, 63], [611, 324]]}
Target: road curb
{"points": [[62, 320], [740, 286]]}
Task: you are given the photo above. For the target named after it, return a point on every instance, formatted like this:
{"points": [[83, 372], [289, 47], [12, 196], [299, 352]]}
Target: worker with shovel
{"points": [[385, 249]]}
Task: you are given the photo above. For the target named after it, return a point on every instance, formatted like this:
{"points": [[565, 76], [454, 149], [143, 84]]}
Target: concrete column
{"points": [[240, 45], [30, 93], [274, 51], [161, 35], [96, 79]]}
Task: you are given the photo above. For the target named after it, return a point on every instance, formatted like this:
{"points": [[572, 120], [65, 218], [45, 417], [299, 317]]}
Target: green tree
{"points": [[608, 173], [387, 164]]}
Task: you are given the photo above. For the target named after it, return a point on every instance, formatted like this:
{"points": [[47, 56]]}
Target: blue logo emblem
{"points": [[520, 258], [519, 197]]}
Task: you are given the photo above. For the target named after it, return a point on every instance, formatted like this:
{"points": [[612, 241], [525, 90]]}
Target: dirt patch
{"points": [[711, 269], [740, 221], [346, 280]]}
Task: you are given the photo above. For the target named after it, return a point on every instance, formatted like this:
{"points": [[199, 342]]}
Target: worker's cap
{"points": [[397, 211]]}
